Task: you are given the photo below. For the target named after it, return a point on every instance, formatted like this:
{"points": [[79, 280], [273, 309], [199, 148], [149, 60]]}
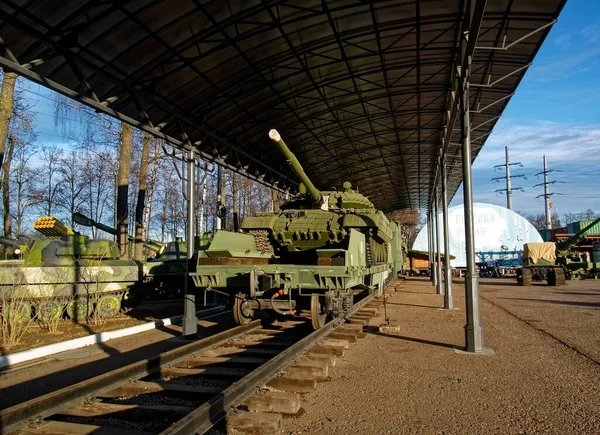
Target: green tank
{"points": [[65, 271], [310, 256]]}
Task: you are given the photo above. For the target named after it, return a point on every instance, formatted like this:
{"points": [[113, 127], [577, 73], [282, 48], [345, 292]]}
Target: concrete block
{"points": [[337, 343], [274, 401], [350, 337], [328, 350], [328, 360], [250, 423], [318, 372], [295, 385], [361, 322], [389, 329]]}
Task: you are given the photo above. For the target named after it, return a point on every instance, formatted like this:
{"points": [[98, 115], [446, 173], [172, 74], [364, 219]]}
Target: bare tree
{"points": [[156, 159], [99, 176], [23, 183], [51, 188], [141, 199], [6, 187], [7, 92], [70, 198], [124, 163]]}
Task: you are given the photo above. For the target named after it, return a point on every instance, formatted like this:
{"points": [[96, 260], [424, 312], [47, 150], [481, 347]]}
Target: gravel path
{"points": [[414, 381]]}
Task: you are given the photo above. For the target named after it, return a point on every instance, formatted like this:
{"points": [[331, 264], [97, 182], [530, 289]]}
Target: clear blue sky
{"points": [[556, 112]]}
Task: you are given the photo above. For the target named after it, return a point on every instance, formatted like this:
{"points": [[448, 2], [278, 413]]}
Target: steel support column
{"points": [[438, 267], [220, 204], [473, 328], [432, 273], [190, 322], [448, 303]]}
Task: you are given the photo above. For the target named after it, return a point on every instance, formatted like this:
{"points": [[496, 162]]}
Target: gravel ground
{"points": [[415, 382]]}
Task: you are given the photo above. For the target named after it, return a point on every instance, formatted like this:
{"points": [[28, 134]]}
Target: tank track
{"points": [[35, 302], [263, 242]]}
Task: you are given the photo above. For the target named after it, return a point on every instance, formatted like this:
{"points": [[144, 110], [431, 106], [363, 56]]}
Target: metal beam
{"points": [[190, 322]]}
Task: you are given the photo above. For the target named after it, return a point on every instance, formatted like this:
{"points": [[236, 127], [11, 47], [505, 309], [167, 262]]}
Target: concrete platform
{"points": [[543, 378]]}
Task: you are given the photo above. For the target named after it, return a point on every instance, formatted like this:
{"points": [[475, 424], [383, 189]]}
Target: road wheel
{"points": [[243, 313], [79, 309], [108, 306], [318, 313], [551, 277], [560, 277], [47, 311]]}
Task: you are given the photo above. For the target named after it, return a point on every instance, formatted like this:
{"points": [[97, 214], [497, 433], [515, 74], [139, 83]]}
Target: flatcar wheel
{"points": [[318, 314], [108, 306], [243, 313], [47, 311], [79, 309]]}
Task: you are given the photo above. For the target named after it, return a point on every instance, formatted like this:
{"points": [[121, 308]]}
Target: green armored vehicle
{"points": [[554, 262], [163, 275], [65, 271], [311, 256]]}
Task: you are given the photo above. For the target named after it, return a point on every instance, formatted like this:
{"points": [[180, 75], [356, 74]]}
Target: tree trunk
{"points": [[7, 94], [275, 200], [6, 189], [151, 190], [141, 199], [234, 192], [201, 229], [123, 189]]}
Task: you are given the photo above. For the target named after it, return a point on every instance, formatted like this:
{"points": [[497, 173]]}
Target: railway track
{"points": [[190, 389]]}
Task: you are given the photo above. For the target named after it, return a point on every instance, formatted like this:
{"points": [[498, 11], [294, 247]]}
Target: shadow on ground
{"points": [[375, 331], [31, 388], [570, 303]]}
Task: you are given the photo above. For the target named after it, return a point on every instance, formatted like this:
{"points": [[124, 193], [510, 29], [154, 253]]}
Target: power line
{"points": [[547, 193], [509, 189]]}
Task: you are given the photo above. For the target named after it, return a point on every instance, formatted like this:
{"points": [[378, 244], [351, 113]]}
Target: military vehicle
{"points": [[65, 271], [163, 275], [554, 262], [310, 256]]}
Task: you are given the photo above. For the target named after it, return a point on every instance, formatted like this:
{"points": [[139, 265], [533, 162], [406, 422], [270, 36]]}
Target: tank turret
{"points": [[317, 219]]}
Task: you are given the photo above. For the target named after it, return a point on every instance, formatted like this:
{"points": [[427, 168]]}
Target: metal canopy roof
{"points": [[360, 90]]}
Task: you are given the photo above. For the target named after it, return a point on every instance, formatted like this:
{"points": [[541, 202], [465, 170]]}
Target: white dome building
{"points": [[499, 233]]}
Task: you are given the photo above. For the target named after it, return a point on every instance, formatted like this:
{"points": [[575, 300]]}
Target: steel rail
{"points": [[41, 407], [207, 415]]}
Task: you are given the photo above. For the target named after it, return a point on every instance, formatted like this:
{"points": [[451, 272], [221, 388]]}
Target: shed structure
{"points": [[365, 91], [396, 96]]}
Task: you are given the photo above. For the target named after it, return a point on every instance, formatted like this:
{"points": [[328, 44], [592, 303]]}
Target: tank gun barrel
{"points": [[8, 242], [81, 219], [296, 166], [568, 244]]}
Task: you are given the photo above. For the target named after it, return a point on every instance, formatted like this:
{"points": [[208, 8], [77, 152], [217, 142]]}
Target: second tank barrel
{"points": [[296, 166]]}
